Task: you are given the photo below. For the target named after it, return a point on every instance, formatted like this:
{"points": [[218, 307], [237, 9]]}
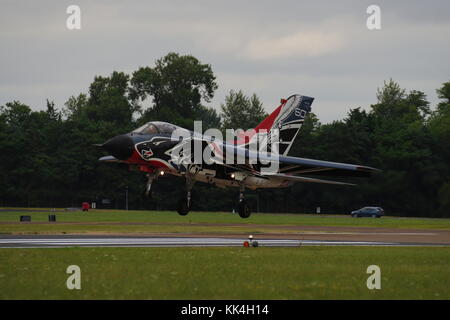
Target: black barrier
{"points": [[52, 218], [25, 218]]}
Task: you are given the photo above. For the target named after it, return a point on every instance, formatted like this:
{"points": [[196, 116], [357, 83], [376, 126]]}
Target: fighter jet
{"points": [[253, 159]]}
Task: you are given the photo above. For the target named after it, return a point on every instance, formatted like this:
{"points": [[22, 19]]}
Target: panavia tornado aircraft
{"points": [[254, 159]]}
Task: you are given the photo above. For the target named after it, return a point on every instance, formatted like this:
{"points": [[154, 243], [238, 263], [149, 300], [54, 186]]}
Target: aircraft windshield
{"points": [[155, 127], [147, 128]]}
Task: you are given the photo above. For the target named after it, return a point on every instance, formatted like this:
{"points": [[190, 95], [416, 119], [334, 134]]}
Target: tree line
{"points": [[48, 157]]}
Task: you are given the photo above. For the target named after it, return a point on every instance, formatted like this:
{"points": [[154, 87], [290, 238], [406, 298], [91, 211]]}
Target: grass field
{"points": [[226, 273], [217, 273], [108, 221]]}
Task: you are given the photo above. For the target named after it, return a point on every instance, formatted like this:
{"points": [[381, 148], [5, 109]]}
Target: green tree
{"points": [[177, 85], [402, 149], [15, 150], [439, 126], [306, 143], [241, 112], [209, 117]]}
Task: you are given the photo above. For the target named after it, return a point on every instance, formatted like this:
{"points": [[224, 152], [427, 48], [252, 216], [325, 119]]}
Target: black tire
{"points": [[183, 208], [244, 209]]}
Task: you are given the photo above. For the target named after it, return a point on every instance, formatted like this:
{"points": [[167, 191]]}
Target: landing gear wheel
{"points": [[243, 209], [183, 208], [147, 194], [185, 204]]}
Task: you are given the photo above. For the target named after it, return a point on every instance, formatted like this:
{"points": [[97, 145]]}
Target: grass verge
{"points": [[226, 273], [113, 221]]}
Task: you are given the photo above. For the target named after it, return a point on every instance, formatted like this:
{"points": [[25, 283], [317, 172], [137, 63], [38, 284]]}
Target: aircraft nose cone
{"points": [[121, 147]]}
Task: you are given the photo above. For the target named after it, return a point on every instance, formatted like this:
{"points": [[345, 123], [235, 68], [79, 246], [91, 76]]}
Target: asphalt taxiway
{"points": [[59, 241]]}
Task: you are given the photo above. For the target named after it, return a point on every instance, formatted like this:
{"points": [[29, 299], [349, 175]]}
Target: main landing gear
{"points": [[243, 208], [185, 204]]}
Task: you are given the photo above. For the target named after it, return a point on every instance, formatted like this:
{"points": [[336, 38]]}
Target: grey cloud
{"points": [[40, 59]]}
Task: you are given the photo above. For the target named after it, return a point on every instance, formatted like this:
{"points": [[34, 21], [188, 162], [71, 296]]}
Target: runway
{"points": [[48, 241]]}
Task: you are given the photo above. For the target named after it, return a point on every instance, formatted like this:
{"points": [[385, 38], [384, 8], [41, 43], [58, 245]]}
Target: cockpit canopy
{"points": [[156, 127]]}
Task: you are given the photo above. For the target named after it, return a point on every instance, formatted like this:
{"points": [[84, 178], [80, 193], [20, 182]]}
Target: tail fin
{"points": [[288, 119]]}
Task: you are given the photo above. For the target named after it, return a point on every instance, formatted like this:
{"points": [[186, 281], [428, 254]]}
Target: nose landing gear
{"points": [[148, 188]]}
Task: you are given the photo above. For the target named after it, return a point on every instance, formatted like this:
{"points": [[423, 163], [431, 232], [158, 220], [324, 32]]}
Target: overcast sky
{"points": [[272, 48]]}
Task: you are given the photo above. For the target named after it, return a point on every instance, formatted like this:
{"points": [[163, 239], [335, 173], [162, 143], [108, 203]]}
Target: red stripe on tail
{"points": [[266, 125]]}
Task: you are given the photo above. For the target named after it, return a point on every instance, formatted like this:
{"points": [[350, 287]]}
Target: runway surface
{"points": [[48, 241]]}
